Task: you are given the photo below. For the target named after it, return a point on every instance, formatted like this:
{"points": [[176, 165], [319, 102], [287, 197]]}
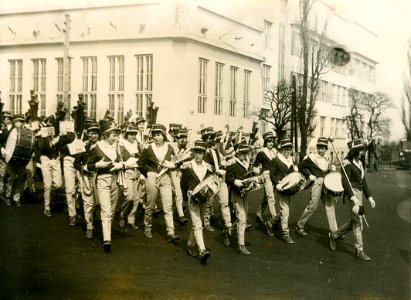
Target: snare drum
{"points": [[293, 183], [332, 184], [19, 145], [206, 189]]}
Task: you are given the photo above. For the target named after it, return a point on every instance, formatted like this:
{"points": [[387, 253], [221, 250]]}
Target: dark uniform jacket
{"points": [[148, 161], [357, 182], [262, 159], [279, 170], [309, 167], [43, 147], [189, 179], [208, 158], [95, 156], [81, 159], [235, 171]]}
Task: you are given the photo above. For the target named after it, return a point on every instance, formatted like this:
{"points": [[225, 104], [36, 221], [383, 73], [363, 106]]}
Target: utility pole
{"points": [[66, 62]]}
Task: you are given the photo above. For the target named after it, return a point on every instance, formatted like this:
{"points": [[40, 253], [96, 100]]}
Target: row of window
{"points": [[337, 129], [144, 84], [218, 89], [333, 93]]}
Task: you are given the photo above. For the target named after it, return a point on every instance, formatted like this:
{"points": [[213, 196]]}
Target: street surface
{"points": [[44, 258]]}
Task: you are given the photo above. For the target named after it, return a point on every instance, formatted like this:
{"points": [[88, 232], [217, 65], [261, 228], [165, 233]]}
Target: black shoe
{"points": [[362, 256], [17, 203], [156, 212], [107, 246], [72, 221], [208, 227], [243, 250], [148, 234], [183, 220], [300, 231], [248, 227], [47, 213], [192, 251], [259, 218], [269, 228], [134, 226], [204, 255], [122, 223], [333, 242], [173, 237], [288, 239], [89, 233]]}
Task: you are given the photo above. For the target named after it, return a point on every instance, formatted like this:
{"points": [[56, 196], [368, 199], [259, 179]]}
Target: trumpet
{"points": [[176, 159]]}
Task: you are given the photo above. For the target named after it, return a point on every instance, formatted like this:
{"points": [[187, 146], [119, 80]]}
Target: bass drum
{"points": [[293, 183], [19, 145], [332, 184]]}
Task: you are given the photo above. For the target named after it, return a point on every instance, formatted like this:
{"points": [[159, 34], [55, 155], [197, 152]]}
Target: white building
{"points": [[202, 63]]}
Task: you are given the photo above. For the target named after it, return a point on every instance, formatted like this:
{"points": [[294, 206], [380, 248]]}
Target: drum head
{"points": [[291, 179], [332, 182], [11, 144]]}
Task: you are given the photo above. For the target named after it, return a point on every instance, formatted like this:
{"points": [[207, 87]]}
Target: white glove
{"points": [[295, 169], [355, 209], [333, 168], [117, 166], [279, 187], [312, 177], [355, 200], [102, 164], [168, 164], [256, 170], [3, 152], [372, 202], [238, 183], [221, 172]]}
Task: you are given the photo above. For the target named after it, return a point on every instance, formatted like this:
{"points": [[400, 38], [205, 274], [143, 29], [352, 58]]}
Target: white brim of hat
{"points": [[198, 148], [286, 145]]}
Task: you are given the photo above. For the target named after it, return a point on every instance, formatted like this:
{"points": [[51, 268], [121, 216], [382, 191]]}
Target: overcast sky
{"points": [[389, 19]]}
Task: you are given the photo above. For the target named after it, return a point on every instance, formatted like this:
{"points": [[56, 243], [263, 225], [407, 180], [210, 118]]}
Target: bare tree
{"points": [[315, 54], [279, 114], [355, 119], [376, 104], [406, 101]]}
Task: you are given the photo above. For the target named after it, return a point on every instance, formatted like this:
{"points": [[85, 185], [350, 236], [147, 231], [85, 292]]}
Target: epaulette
{"points": [[186, 165]]}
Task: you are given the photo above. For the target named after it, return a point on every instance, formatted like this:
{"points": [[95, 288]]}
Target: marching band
{"points": [[119, 168]]}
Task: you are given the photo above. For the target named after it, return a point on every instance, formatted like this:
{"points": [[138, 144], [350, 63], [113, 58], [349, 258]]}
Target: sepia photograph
{"points": [[205, 149]]}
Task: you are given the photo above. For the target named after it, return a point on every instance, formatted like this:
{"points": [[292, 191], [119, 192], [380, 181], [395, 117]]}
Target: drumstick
{"points": [[346, 176]]}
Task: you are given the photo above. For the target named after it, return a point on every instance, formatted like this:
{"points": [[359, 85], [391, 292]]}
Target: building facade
{"points": [[201, 63]]}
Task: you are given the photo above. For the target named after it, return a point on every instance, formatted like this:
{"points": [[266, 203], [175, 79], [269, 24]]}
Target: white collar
{"points": [[244, 164], [287, 161], [270, 153], [199, 169], [359, 166], [319, 160]]}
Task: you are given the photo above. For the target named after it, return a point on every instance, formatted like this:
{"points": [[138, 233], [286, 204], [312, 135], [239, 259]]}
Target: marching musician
{"points": [[265, 158], [235, 173], [69, 146], [132, 197], [193, 173], [314, 167], [5, 129], [181, 138], [48, 155], [15, 168], [283, 164], [104, 160], [355, 185], [215, 159], [88, 178], [155, 157]]}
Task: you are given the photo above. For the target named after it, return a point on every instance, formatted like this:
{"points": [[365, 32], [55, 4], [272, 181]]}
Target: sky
{"points": [[388, 19]]}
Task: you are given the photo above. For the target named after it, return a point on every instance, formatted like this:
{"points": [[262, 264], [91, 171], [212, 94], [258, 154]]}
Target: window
{"points": [[296, 48], [16, 83], [39, 83], [332, 127], [266, 77], [202, 87], [322, 126], [267, 33], [246, 107], [60, 82], [144, 76], [338, 95], [233, 91], [281, 52], [337, 128], [116, 87], [218, 100], [90, 84], [334, 94]]}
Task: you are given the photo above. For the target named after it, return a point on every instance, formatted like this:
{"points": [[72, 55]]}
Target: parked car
{"points": [[405, 154]]}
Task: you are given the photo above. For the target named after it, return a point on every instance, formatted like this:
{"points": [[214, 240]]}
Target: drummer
{"points": [[194, 172], [314, 167], [235, 173], [15, 168], [282, 165], [5, 129]]}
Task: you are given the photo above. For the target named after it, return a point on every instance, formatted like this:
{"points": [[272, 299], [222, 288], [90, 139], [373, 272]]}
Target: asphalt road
{"points": [[44, 258]]}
